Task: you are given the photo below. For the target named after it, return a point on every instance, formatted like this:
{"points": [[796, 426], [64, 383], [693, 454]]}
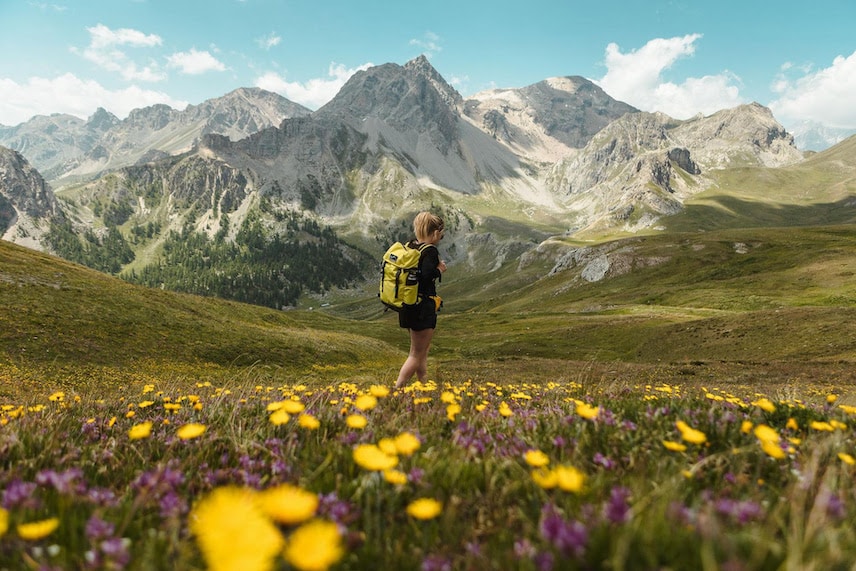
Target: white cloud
{"points": [[103, 50], [429, 43], [825, 96], [268, 41], [195, 62], [637, 78], [313, 93], [69, 94]]}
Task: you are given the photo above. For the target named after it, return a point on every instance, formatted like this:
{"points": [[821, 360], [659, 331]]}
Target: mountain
{"points": [[546, 121], [67, 149], [812, 136], [27, 203], [507, 169]]}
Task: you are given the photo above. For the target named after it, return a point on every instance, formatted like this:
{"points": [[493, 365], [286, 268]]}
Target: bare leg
{"points": [[417, 359]]}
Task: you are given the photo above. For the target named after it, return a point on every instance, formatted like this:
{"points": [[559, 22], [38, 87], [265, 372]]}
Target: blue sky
{"points": [[681, 57]]}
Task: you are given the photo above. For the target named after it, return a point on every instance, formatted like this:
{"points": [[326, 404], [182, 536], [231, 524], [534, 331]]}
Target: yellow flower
{"points": [[370, 457], [138, 431], [396, 477], [288, 504], [447, 397], [844, 457], [765, 433], [505, 410], [772, 449], [406, 443], [388, 446], [823, 426], [792, 424], [146, 404], [424, 508], [452, 411], [308, 421], [356, 421], [38, 529], [587, 411], [314, 546], [847, 409], [674, 446], [233, 532], [690, 434], [293, 406], [831, 398], [765, 404], [365, 402], [4, 522], [279, 417], [379, 391], [192, 430], [536, 458], [569, 478], [545, 478], [746, 426]]}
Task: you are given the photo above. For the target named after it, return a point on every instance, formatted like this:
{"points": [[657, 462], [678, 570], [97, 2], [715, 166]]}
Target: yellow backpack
{"points": [[399, 281]]}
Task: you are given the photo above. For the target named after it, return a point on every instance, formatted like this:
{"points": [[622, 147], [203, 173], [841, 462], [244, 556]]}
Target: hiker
{"points": [[421, 319]]}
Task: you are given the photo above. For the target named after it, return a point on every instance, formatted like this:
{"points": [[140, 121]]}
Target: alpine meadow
{"points": [[645, 356]]}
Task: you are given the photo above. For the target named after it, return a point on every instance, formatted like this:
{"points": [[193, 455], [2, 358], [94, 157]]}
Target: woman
{"points": [[421, 319]]}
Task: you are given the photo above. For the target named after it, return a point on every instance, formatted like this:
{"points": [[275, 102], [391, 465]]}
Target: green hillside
{"points": [[63, 324]]}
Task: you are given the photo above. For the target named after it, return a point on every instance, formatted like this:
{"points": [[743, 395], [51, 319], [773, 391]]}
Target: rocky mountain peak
{"points": [[102, 120], [422, 67], [25, 200]]}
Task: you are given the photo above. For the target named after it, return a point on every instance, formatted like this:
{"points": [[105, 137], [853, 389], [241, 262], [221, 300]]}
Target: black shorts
{"points": [[419, 317]]}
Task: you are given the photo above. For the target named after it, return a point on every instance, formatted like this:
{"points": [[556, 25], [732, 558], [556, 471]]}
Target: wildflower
{"points": [[406, 443], [314, 546], [293, 406], [674, 446], [690, 434], [38, 529], [308, 421], [190, 431], [395, 477], [448, 397], [288, 504], [846, 458], [617, 510], [371, 457], [746, 426], [847, 409], [569, 479], [765, 433], [536, 458], [139, 431], [765, 404], [792, 424], [279, 417], [4, 521], [569, 537], [388, 446], [365, 402], [233, 532], [773, 449], [357, 421], [424, 508], [587, 411], [379, 391], [452, 411], [545, 478], [505, 410], [822, 426], [831, 398]]}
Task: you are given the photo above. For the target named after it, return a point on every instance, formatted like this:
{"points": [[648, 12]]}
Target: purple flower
{"points": [[617, 509], [569, 537], [603, 461], [64, 482], [97, 528], [20, 494], [436, 563]]}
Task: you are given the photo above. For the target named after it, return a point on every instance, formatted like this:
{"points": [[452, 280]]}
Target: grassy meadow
{"points": [[691, 410]]}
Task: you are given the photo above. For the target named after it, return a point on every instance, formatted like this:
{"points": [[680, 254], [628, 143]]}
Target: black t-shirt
{"points": [[429, 269]]}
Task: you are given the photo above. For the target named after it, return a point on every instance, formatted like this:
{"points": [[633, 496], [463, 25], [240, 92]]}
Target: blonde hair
{"points": [[426, 224]]}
